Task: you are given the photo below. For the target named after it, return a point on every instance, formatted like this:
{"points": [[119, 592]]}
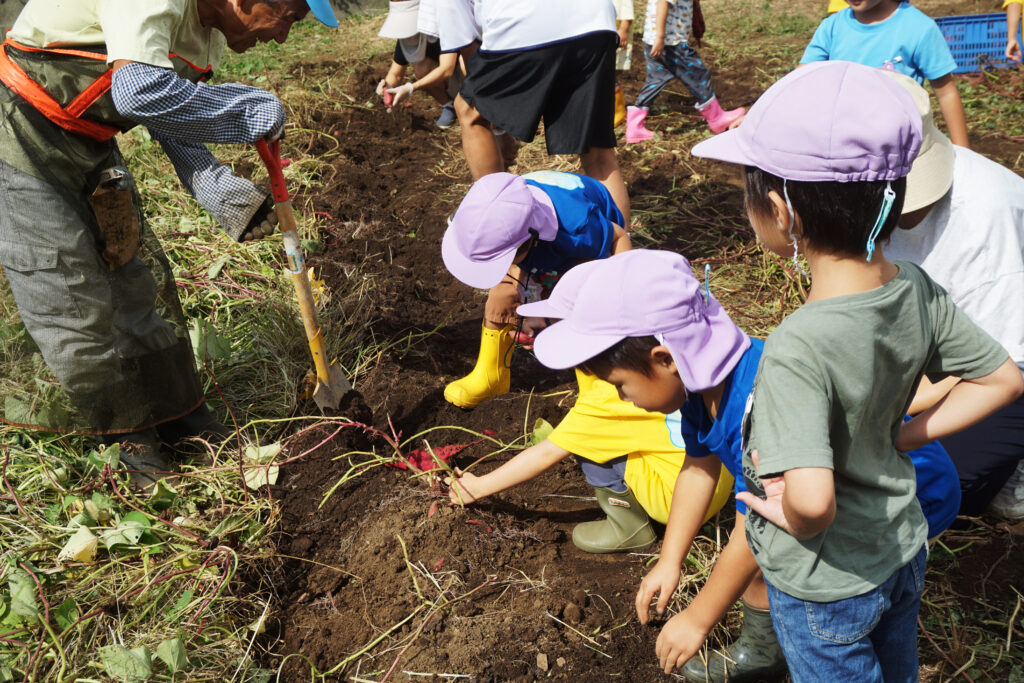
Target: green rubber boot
{"points": [[626, 528], [754, 656]]}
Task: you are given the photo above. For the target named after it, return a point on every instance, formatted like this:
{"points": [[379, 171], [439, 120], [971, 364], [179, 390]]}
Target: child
{"points": [[510, 230], [435, 73], [661, 308], [1013, 12], [631, 489], [891, 32], [834, 523], [669, 55], [963, 223]]}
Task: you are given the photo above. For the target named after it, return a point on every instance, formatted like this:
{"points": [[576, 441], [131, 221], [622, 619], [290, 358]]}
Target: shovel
{"points": [[331, 383]]}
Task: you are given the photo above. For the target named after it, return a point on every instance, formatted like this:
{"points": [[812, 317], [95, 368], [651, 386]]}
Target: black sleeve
{"points": [[399, 56]]}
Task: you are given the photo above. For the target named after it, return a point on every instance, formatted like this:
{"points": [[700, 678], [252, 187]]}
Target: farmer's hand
{"points": [[464, 488], [658, 47], [771, 507], [262, 224], [680, 640], [401, 94], [661, 581]]}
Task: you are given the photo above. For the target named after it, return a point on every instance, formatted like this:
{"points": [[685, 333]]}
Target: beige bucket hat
{"points": [[931, 176]]}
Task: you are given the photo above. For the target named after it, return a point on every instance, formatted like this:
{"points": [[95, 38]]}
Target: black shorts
{"points": [[570, 84], [433, 52]]}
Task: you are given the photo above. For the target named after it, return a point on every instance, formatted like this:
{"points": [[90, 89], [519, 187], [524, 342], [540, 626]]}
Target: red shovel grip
{"points": [[271, 155]]}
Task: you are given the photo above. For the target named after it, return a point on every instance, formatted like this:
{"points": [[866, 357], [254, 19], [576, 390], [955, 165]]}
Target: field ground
{"points": [[346, 568]]}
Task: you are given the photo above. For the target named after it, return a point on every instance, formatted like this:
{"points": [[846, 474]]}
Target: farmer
{"points": [[87, 276], [538, 60], [632, 457], [963, 222], [512, 232]]}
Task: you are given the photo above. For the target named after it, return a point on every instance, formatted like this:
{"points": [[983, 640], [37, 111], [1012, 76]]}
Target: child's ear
{"points": [[661, 356], [781, 215]]}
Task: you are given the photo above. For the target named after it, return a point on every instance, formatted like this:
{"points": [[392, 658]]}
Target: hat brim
{"points": [[726, 146], [401, 23], [323, 11], [931, 176], [560, 346], [542, 309], [544, 216], [479, 274]]}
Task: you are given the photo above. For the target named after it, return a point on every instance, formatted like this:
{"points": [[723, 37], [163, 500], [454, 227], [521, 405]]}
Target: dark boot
{"points": [[140, 455], [627, 527], [754, 656], [200, 423]]}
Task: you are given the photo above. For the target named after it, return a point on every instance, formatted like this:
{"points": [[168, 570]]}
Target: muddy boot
{"points": [[754, 656], [626, 528], [140, 455], [489, 378], [635, 131], [200, 423], [718, 119]]}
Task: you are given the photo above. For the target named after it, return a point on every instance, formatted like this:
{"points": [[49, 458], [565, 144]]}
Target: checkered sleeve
{"points": [[173, 107], [231, 200]]}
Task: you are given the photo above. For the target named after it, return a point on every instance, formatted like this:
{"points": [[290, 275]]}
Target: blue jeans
{"points": [[869, 637]]}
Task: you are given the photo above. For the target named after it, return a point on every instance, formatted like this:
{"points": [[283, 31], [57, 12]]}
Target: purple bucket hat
{"points": [[494, 218], [827, 121], [644, 292], [563, 296]]}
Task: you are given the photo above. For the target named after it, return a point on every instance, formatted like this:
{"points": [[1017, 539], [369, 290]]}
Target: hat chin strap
{"points": [[888, 197], [789, 230]]}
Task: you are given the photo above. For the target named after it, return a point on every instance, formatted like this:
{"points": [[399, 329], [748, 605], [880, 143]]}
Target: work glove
{"points": [[400, 93], [262, 224], [382, 92]]}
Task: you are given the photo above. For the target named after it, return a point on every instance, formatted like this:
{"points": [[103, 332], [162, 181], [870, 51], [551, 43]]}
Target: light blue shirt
{"points": [[909, 39]]}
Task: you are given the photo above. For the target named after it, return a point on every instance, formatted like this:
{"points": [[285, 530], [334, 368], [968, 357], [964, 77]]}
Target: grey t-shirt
{"points": [[834, 384]]}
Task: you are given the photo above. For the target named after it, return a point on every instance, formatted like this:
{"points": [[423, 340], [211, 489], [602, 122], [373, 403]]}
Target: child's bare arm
{"points": [[468, 488], [929, 393], [952, 109], [802, 502], [685, 633], [966, 404], [620, 240], [625, 30], [694, 489], [394, 75], [1013, 14], [660, 19]]}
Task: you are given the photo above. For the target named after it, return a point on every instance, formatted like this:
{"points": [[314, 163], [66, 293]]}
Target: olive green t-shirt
{"points": [[833, 387]]}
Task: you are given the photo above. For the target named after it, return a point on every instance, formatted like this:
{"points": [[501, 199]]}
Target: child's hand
{"points": [[464, 489], [680, 640], [660, 581], [771, 507], [1013, 49], [658, 47], [402, 93]]}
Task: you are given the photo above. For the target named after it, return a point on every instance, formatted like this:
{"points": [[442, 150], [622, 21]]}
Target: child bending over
{"points": [[600, 428], [510, 231], [833, 521], [669, 55], [894, 33]]}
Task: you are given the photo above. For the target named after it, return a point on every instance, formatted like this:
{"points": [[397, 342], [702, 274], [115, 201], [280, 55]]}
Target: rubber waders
{"points": [[490, 377], [755, 655], [626, 528], [140, 455]]}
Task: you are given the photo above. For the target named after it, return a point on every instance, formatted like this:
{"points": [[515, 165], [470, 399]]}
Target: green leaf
{"points": [[128, 666], [256, 477], [17, 411], [111, 455], [24, 598], [311, 246], [127, 533], [65, 614], [206, 343], [162, 495], [179, 607], [541, 430], [172, 652], [213, 271]]}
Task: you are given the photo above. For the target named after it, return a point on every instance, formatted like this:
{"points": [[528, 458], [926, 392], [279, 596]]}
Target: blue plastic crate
{"points": [[970, 36]]}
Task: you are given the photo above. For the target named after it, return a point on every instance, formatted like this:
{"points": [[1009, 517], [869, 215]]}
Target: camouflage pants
{"points": [[123, 366]]}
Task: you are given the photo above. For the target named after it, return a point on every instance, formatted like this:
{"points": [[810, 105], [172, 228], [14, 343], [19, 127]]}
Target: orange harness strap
{"points": [[69, 117]]}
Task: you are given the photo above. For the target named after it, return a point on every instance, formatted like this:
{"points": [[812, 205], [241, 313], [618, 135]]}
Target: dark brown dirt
{"points": [[496, 591]]}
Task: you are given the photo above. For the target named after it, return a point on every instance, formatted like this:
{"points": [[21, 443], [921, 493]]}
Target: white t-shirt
{"points": [[972, 243], [624, 10], [506, 26], [143, 31]]}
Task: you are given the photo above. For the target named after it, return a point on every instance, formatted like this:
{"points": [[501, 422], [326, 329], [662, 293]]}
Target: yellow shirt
{"points": [[602, 427], [143, 31], [836, 5], [1010, 2]]}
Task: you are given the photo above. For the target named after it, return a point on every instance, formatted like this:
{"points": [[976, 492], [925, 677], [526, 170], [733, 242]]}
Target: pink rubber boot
{"points": [[718, 120], [635, 131]]}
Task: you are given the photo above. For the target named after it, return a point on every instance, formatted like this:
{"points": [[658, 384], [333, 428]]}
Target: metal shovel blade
{"points": [[329, 394]]}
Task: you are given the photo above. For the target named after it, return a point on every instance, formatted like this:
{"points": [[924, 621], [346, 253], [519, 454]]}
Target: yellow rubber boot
{"points": [[620, 106], [489, 378]]}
